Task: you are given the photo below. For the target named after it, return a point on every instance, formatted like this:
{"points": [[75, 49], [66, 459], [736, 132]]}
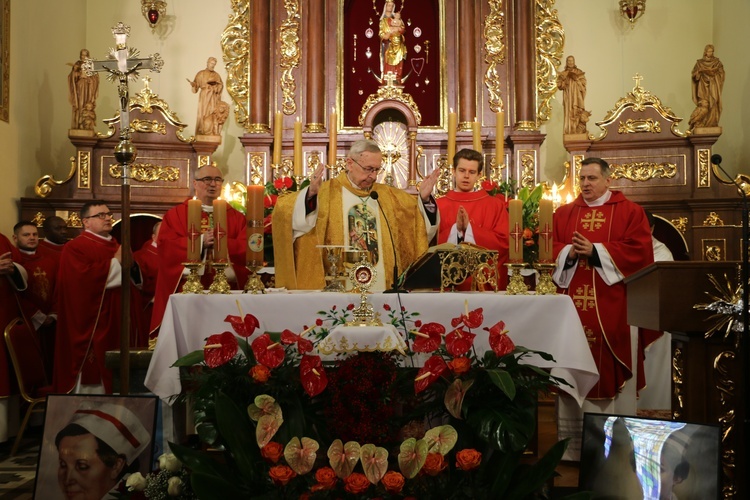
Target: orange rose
{"points": [[460, 365], [356, 483], [272, 452], [326, 477], [260, 374], [468, 459], [527, 233], [434, 464], [281, 474], [393, 482]]}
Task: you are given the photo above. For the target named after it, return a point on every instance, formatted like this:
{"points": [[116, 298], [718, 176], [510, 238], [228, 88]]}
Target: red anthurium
{"points": [[313, 376], [500, 342], [459, 342], [428, 338], [474, 319], [244, 327], [303, 345], [269, 200], [267, 353], [220, 348], [429, 373]]}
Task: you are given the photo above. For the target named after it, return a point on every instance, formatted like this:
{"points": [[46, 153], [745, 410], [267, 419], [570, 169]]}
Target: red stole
{"points": [[42, 275], [9, 310]]}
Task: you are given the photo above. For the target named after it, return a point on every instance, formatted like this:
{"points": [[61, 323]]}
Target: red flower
{"points": [[267, 352], [267, 227], [500, 342], [460, 366], [244, 327], [489, 185], [434, 464], [283, 183], [319, 322], [272, 452], [527, 233], [393, 482], [326, 478], [468, 459], [473, 320], [260, 374], [281, 474], [418, 323], [387, 307], [429, 373], [356, 483], [459, 342], [312, 375], [220, 348], [269, 200], [350, 307], [432, 341], [288, 337]]}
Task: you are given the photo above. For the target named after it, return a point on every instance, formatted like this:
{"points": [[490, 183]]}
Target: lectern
{"points": [[707, 381]]}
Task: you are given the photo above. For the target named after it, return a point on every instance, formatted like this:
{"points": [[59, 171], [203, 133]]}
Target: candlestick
{"points": [[332, 137], [499, 137], [451, 136], [477, 135], [298, 147], [515, 218], [545, 230], [254, 231], [221, 250], [278, 123], [194, 230]]}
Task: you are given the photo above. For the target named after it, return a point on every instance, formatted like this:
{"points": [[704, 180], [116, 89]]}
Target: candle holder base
{"points": [[254, 284], [193, 281], [220, 283], [299, 179], [545, 286], [516, 285]]}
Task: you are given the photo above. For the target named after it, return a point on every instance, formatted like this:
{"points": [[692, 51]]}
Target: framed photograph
{"points": [[91, 443], [4, 58]]}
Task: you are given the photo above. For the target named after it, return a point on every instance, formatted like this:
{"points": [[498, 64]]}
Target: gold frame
{"points": [[4, 60]]}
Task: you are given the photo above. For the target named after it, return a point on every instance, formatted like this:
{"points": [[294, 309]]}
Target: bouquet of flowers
{"points": [[171, 481]]}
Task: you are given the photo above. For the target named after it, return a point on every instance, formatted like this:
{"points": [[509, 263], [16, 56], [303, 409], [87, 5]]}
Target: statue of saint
{"points": [[393, 45], [208, 82], [708, 81], [82, 93], [572, 82]]}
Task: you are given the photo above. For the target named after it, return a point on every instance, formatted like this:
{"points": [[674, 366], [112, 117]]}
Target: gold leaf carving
{"points": [[256, 169], [148, 126], [528, 171], [84, 164], [550, 41], [494, 48], [704, 179], [680, 223], [643, 171], [290, 55], [235, 46], [712, 253], [389, 92], [39, 219], [44, 185], [631, 126], [147, 172], [713, 219]]}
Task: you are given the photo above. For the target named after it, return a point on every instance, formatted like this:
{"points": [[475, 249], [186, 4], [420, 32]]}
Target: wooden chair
{"points": [[28, 364]]}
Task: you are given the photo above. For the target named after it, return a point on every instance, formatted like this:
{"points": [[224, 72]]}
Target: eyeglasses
{"points": [[100, 215], [368, 170], [209, 180]]}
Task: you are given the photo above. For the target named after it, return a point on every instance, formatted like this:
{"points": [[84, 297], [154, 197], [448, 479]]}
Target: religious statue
{"points": [[212, 111], [83, 91], [708, 81], [572, 82], [393, 45]]}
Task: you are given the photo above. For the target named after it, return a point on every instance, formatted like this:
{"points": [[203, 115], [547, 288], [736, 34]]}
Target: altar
{"points": [[547, 323]]}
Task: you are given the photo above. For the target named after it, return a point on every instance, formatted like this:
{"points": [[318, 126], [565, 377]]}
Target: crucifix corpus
{"points": [[121, 65]]}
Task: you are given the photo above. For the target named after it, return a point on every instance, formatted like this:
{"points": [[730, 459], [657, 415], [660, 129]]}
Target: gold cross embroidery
{"points": [[584, 298], [593, 220]]}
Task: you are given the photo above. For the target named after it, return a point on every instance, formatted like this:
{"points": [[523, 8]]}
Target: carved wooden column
{"points": [[467, 65], [523, 20], [315, 67], [261, 67]]}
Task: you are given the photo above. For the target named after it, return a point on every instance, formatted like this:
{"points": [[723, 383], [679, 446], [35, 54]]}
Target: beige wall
{"points": [[48, 34]]}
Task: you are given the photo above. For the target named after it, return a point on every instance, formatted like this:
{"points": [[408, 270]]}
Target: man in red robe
{"points": [[55, 236], [474, 216], [173, 237], [148, 261], [600, 239], [88, 300]]}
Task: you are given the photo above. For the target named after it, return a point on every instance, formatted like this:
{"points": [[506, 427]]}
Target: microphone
{"points": [[395, 286]]}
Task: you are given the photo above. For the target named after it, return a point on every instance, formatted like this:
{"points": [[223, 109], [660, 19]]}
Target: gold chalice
{"points": [[334, 271]]}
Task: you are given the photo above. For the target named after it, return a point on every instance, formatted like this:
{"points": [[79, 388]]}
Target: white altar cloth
{"points": [[547, 323]]}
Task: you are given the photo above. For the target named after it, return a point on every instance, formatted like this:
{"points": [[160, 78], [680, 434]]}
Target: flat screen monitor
{"points": [[632, 458]]}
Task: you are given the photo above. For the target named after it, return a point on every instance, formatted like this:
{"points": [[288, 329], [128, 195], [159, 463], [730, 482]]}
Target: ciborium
{"points": [[334, 270]]}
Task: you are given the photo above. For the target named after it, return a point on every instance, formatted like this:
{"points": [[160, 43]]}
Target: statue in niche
{"points": [[572, 82], [393, 44], [82, 93], [210, 110], [708, 81]]}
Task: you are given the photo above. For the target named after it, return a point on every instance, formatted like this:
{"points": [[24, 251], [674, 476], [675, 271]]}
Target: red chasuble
{"points": [[148, 260], [172, 249], [88, 321], [622, 227], [489, 223], [9, 310], [50, 249], [40, 293]]}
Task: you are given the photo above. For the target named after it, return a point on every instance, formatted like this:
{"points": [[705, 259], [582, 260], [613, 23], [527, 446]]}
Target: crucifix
{"points": [[122, 65]]}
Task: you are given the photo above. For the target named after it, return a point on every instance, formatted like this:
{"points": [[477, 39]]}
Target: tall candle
{"points": [[278, 123], [254, 216], [221, 251], [515, 232], [332, 137], [545, 230], [499, 137], [298, 147], [194, 230], [477, 135], [451, 136]]}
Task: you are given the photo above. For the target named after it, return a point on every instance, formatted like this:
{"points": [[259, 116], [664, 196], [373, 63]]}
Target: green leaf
{"points": [[239, 435], [190, 359], [532, 478], [503, 381], [200, 462], [207, 486]]}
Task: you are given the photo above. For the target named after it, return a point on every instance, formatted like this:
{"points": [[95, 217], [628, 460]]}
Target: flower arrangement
{"points": [[370, 425], [171, 481]]}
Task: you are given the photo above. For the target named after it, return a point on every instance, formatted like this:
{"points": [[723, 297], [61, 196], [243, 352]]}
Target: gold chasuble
{"points": [[347, 216]]}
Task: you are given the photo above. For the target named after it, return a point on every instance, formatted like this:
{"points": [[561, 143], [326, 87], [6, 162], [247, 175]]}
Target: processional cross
{"points": [[121, 65]]}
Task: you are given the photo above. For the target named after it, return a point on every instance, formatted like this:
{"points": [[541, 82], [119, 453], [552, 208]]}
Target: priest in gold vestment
{"points": [[343, 211]]}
